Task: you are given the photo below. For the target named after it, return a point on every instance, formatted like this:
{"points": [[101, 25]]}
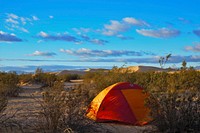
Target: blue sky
{"points": [[98, 33]]}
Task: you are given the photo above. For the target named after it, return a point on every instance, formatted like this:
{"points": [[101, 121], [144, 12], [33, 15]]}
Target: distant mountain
{"points": [[62, 69], [46, 68], [81, 72]]}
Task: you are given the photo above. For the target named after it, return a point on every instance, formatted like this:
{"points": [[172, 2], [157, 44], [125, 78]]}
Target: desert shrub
{"points": [[7, 122], [25, 78], [9, 84], [68, 77], [189, 79], [63, 111], [175, 111], [47, 79], [3, 104], [97, 81], [53, 105], [76, 108]]}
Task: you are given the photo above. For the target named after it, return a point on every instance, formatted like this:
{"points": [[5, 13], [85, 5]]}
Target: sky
{"points": [[98, 33]]}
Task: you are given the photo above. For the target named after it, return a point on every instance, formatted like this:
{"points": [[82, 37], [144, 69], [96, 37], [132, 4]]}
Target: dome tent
{"points": [[121, 102]]}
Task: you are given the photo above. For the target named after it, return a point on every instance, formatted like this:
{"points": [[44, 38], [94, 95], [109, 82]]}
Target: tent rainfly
{"points": [[122, 102]]}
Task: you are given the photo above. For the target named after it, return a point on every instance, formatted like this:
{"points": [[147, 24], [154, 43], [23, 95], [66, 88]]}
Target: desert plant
{"points": [[163, 60], [53, 107], [68, 77], [63, 111], [47, 79], [175, 111], [9, 84], [7, 122], [3, 104], [25, 78]]}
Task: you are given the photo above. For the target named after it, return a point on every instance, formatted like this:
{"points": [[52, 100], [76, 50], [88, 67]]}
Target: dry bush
{"points": [[175, 111], [9, 84], [53, 108], [64, 111], [97, 81], [68, 77], [3, 105], [7, 122]]}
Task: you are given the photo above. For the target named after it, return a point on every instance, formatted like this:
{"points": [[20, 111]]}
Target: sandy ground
{"points": [[27, 108]]}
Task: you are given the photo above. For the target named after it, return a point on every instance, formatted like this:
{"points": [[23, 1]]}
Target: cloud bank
{"points": [[160, 33], [58, 37], [195, 48], [5, 37], [154, 59], [69, 38], [83, 52], [46, 54]]}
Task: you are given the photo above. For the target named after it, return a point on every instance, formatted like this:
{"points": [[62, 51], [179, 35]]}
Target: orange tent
{"points": [[122, 102]]}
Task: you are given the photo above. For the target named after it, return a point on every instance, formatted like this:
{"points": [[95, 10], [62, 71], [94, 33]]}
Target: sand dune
{"points": [[131, 69]]}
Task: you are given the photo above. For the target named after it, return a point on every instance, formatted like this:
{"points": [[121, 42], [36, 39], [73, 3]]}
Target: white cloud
{"points": [[160, 33], [15, 22], [124, 37], [6, 37], [39, 41], [35, 18], [98, 41], [24, 30], [57, 37], [114, 28], [39, 53], [11, 15], [136, 22], [24, 20], [51, 17], [12, 21], [84, 52], [70, 38], [195, 48], [82, 31], [43, 34], [117, 27]]}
